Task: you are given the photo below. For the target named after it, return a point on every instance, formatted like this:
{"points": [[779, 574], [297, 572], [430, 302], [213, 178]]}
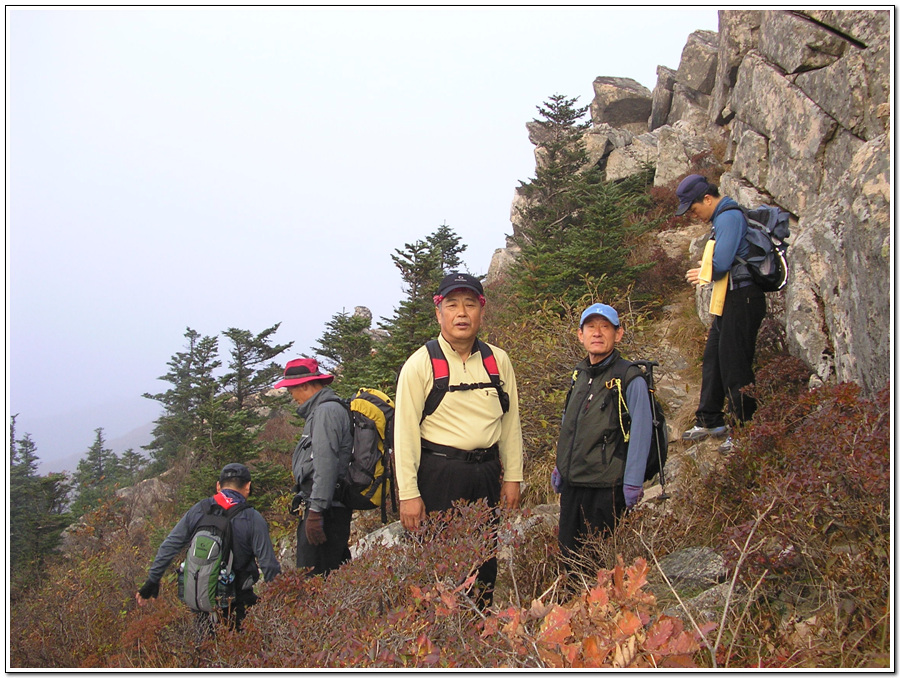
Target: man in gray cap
{"points": [[250, 544], [731, 342], [600, 457]]}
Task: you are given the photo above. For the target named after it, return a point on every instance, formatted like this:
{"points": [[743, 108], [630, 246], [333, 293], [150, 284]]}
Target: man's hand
{"points": [[693, 276], [148, 590], [509, 494], [315, 528], [412, 513]]}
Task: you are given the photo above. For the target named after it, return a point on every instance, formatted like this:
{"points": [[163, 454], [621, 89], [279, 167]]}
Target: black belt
{"points": [[479, 456]]}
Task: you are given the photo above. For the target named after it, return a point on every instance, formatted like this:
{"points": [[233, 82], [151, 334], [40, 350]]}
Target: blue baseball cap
{"points": [[692, 188], [607, 312]]}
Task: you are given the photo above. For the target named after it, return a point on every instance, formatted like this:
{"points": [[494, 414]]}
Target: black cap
{"points": [[235, 471], [454, 281]]}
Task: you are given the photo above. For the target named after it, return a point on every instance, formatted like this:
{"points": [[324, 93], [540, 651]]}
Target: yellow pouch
{"points": [[719, 290], [706, 262], [720, 287]]}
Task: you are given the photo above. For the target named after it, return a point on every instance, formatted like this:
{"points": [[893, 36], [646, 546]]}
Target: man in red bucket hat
{"points": [[320, 460]]}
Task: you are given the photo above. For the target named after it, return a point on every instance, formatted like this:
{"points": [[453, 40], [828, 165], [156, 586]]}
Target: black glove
{"points": [[296, 505], [149, 590], [315, 528]]}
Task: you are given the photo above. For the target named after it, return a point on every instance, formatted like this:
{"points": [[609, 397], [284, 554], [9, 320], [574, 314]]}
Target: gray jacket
{"points": [[250, 543], [322, 456]]}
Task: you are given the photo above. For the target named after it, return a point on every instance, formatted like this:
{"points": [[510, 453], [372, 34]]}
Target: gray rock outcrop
{"points": [[791, 108], [622, 103]]}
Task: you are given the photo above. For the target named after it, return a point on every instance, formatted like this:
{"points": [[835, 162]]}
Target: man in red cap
{"points": [[320, 460], [466, 444]]}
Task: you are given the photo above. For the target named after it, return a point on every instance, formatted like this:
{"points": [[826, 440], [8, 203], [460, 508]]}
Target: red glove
{"points": [[315, 528]]}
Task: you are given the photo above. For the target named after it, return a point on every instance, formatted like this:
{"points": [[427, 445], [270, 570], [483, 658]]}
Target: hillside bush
{"points": [[816, 464]]}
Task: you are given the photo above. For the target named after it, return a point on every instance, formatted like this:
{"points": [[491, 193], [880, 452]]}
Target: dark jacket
{"points": [[322, 456], [250, 542], [592, 451]]}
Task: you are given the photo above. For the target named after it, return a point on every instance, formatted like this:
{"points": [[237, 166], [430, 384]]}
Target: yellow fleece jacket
{"points": [[467, 420]]}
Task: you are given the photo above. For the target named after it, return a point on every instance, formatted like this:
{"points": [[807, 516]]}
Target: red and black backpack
{"points": [[442, 376]]}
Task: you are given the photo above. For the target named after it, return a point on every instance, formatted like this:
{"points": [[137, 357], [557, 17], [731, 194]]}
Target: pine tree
{"points": [[131, 464], [574, 225], [194, 385], [422, 265], [252, 369], [37, 510], [96, 476], [345, 349], [448, 246]]}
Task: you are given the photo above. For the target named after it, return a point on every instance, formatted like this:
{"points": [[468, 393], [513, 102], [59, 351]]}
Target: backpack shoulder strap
{"points": [[441, 369], [490, 364]]}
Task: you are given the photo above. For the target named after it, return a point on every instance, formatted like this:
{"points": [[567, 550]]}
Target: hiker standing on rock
{"points": [[250, 544], [739, 306], [320, 460], [457, 433], [599, 464]]}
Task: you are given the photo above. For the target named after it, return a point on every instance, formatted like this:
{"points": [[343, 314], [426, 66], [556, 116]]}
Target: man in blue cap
{"points": [[600, 457], [731, 342]]}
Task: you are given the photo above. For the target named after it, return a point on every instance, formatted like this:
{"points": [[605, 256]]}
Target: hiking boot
{"points": [[727, 446], [702, 433]]}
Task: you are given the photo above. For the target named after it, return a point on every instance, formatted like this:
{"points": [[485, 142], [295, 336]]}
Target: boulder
{"points": [[743, 192], [838, 305], [738, 34], [795, 44], [624, 162], [842, 91], [600, 140], [661, 100], [865, 27], [679, 152], [707, 606], [795, 127], [751, 159], [621, 102], [697, 69], [689, 106], [694, 568], [503, 259]]}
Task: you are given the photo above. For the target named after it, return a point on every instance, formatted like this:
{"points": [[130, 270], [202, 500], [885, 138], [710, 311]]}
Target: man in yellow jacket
{"points": [[457, 433]]}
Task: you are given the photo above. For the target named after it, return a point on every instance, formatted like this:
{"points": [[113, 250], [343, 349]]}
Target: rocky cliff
{"points": [[792, 108]]}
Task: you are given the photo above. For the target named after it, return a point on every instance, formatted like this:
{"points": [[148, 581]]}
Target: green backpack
{"points": [[206, 577]]}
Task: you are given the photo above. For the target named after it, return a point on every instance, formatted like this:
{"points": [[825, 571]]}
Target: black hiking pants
{"points": [[336, 549], [443, 481], [584, 511], [728, 358]]}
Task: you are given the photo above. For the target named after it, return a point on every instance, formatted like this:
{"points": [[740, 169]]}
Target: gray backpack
{"points": [[206, 578]]}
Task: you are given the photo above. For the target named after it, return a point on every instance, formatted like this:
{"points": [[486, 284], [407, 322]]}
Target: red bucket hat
{"points": [[300, 371]]}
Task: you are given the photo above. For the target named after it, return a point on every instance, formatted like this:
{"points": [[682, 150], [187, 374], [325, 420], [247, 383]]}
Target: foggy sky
{"points": [[214, 168]]}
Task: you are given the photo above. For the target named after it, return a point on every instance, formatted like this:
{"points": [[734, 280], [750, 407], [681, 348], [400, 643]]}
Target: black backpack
{"points": [[659, 440], [767, 229], [206, 577], [441, 369]]}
